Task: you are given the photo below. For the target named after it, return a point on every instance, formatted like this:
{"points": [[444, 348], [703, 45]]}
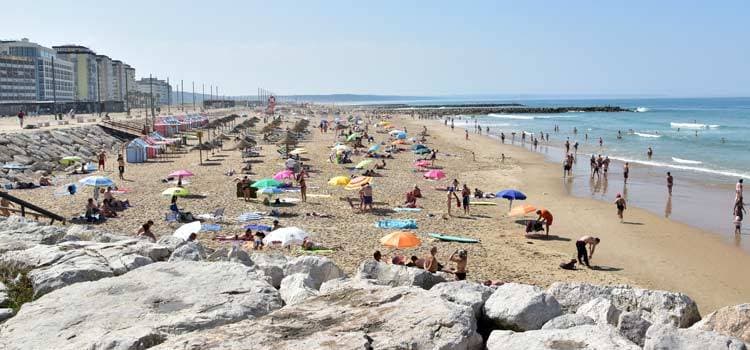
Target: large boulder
{"points": [[397, 275], [272, 265], [600, 310], [296, 288], [568, 321], [190, 251], [170, 241], [237, 255], [520, 307], [660, 337], [140, 309], [370, 318], [4, 298], [466, 293], [659, 307], [632, 326], [5, 314], [319, 269], [577, 338], [730, 320]]}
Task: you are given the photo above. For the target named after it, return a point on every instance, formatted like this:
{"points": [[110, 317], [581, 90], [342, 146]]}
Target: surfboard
{"points": [[453, 238], [482, 203]]}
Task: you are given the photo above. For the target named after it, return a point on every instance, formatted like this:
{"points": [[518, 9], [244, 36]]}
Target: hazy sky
{"points": [[676, 48]]}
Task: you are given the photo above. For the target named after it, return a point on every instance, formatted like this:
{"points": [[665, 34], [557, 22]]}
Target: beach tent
{"points": [[135, 152]]}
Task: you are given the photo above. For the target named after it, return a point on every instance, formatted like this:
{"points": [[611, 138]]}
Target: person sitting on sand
{"points": [[275, 225], [478, 193], [415, 262], [319, 215], [581, 249], [571, 265], [381, 165], [173, 205], [417, 192], [44, 181], [106, 209], [258, 242], [91, 210], [248, 236], [460, 257], [145, 231], [377, 256], [431, 262], [411, 200], [398, 260]]}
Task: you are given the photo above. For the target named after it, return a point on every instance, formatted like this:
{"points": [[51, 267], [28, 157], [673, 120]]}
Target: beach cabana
{"points": [[136, 152]]}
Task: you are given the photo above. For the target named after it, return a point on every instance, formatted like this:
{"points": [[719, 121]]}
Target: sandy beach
{"points": [[650, 251]]}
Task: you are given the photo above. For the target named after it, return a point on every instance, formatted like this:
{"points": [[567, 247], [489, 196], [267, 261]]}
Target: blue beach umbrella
{"points": [[374, 148], [418, 146], [510, 195], [97, 181], [401, 135]]}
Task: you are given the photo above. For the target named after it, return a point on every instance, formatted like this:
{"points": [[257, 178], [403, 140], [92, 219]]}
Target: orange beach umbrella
{"points": [[400, 239], [522, 210]]}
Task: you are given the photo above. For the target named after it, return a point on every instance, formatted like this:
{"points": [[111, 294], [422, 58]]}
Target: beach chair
{"points": [[217, 215]]}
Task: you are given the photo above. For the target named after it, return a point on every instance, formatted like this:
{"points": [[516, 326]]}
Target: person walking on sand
{"points": [[302, 185], [452, 194], [626, 171], [21, 114], [670, 182], [581, 244], [121, 166], [621, 206], [465, 198], [739, 214], [738, 190], [366, 195], [102, 161], [466, 132]]}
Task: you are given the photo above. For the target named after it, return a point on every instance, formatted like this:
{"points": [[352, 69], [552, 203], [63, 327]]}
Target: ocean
{"points": [[703, 142]]}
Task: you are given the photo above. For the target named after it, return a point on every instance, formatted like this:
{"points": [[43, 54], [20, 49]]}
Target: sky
{"points": [[422, 48]]}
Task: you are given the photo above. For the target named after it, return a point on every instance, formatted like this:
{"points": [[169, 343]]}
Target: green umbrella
{"points": [[363, 163], [263, 183], [353, 136], [70, 160]]}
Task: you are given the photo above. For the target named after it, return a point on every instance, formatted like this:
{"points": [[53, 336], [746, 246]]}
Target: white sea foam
{"points": [[729, 173], [646, 135], [693, 125], [686, 161], [641, 109], [511, 116]]}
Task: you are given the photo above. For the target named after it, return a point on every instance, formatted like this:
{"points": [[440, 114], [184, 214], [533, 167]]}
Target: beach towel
{"points": [[400, 209], [255, 227], [398, 224], [210, 227], [249, 217]]}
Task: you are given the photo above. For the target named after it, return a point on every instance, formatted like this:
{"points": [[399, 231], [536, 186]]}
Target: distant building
{"points": [[105, 84], [17, 80], [160, 89], [118, 80], [54, 75], [84, 71]]}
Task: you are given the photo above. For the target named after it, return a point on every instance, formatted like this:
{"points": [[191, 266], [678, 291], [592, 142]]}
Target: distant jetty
{"points": [[480, 109]]}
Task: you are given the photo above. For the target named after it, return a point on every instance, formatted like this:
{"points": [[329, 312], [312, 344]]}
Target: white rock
{"points": [[660, 337], [344, 283], [320, 269], [170, 241], [4, 299], [393, 318], [236, 254], [659, 307], [296, 288], [5, 314], [272, 265], [466, 293], [632, 326], [600, 310], [397, 275], [568, 321], [576, 338], [141, 308], [190, 251], [730, 320], [521, 307]]}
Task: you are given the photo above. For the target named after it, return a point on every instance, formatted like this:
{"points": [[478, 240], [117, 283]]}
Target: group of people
{"points": [[108, 208], [430, 262]]}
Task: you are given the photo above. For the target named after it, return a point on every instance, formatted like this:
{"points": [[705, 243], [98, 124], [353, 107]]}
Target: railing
{"points": [[39, 211]]}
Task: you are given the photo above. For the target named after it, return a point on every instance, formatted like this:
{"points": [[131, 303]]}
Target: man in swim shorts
{"points": [[581, 248], [545, 217]]}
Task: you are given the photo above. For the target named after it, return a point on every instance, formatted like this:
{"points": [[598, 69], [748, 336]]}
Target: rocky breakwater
{"points": [[42, 150], [230, 299]]}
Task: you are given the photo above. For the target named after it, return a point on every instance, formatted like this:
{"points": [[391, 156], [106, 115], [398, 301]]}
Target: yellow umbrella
{"points": [[400, 239], [175, 191], [339, 181], [357, 182], [363, 163]]}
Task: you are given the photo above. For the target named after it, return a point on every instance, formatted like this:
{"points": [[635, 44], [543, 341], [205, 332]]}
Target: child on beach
{"points": [[621, 206]]}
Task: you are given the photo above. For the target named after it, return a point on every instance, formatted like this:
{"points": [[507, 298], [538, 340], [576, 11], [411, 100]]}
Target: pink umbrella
{"points": [[284, 174], [180, 174], [434, 175], [422, 163]]}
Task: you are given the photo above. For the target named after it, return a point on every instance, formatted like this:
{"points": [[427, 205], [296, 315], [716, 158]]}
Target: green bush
{"points": [[19, 292]]}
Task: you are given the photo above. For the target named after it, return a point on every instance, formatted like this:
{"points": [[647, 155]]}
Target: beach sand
{"points": [[652, 252]]}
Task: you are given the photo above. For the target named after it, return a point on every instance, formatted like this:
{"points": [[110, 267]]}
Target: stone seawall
{"points": [[41, 151]]}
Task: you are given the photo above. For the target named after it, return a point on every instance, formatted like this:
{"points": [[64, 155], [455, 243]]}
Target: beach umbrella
{"points": [[341, 148], [434, 175], [339, 181], [284, 174], [186, 230], [363, 163], [374, 148], [422, 151], [256, 227], [176, 192], [271, 191], [522, 210], [70, 160], [510, 195], [394, 132], [418, 146], [180, 173], [353, 136], [358, 182], [249, 217], [400, 239], [263, 183], [15, 166], [401, 135], [298, 151], [398, 142], [389, 126], [422, 163], [97, 181], [286, 236]]}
